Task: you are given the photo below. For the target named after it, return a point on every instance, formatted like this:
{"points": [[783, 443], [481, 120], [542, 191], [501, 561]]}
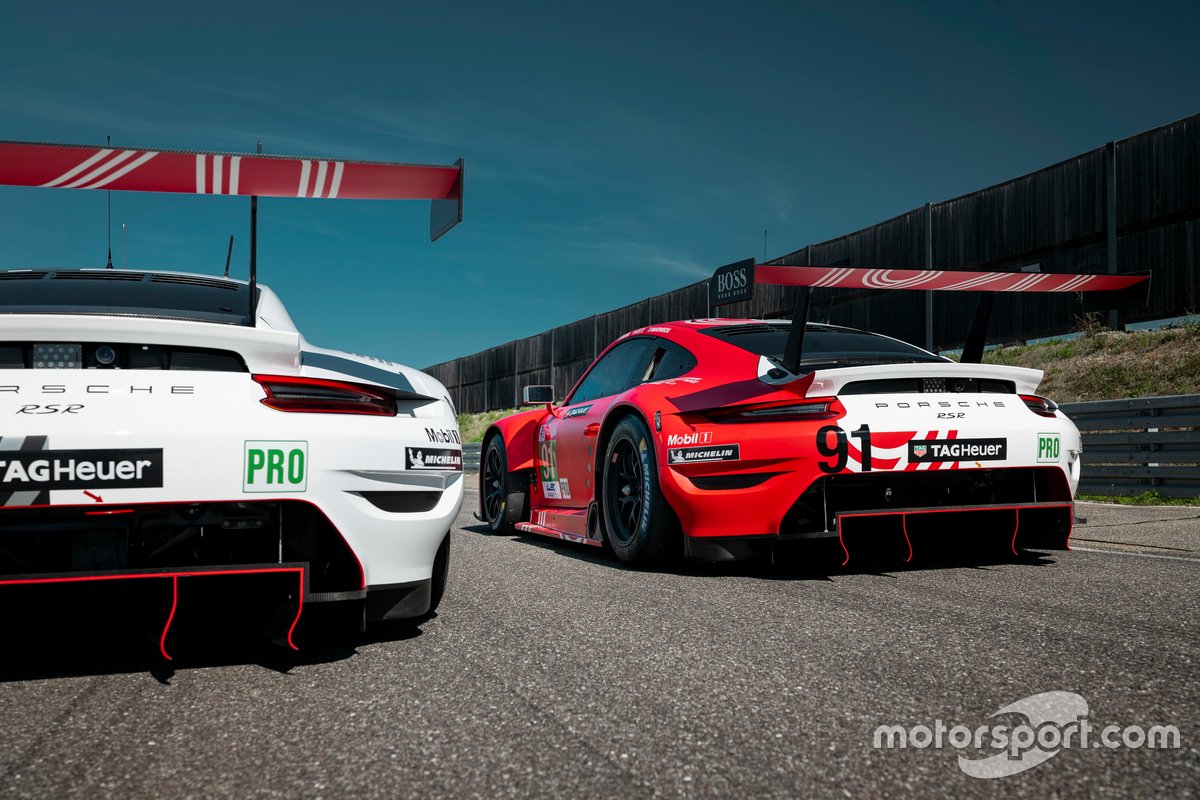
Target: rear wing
{"points": [[62, 166], [735, 282]]}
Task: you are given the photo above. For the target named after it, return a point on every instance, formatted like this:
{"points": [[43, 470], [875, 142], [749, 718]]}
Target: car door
{"points": [[570, 440]]}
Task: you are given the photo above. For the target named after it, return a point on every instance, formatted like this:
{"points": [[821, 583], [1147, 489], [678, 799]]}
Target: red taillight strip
{"points": [[786, 411], [324, 399], [1033, 402]]}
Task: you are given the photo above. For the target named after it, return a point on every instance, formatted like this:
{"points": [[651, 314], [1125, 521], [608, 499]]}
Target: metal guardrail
{"points": [[471, 456], [1129, 446], [1141, 444]]}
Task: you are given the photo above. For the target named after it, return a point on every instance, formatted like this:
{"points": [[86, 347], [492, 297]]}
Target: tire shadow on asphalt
{"points": [[45, 643], [816, 560]]}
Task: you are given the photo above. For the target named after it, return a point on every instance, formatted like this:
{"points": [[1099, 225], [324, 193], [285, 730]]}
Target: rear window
{"points": [[121, 293], [823, 346]]}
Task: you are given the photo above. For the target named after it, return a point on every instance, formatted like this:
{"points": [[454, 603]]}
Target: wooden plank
{"points": [[1104, 471], [1136, 423], [1135, 438], [1189, 456], [1133, 489]]}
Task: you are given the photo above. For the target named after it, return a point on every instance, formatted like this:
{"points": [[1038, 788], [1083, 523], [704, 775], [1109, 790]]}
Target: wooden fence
{"points": [[1133, 204]]}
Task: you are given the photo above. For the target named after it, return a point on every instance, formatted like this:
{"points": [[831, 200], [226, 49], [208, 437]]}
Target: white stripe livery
{"points": [[219, 171], [318, 187], [104, 172], [881, 279]]}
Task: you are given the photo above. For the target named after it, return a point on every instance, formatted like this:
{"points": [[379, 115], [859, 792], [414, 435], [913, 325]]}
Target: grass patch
{"points": [[472, 426], [1107, 365], [1150, 498]]}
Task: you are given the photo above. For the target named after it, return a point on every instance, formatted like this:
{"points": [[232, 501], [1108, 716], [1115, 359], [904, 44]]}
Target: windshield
{"points": [[823, 346]]}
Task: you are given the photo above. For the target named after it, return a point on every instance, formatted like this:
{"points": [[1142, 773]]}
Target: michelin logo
{"points": [[695, 455], [431, 458]]}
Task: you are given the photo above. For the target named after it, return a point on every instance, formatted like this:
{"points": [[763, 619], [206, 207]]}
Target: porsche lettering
{"points": [[946, 404]]}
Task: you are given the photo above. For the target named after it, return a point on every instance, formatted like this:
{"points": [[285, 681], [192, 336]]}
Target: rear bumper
{"points": [[1007, 528], [793, 504]]}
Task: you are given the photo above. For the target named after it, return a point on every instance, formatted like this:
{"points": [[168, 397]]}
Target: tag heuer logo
{"points": [[942, 450]]}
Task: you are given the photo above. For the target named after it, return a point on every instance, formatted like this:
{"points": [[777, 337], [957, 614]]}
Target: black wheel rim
{"points": [[624, 483], [493, 485]]}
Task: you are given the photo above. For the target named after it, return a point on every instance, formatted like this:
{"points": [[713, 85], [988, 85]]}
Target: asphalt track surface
{"points": [[552, 671]]}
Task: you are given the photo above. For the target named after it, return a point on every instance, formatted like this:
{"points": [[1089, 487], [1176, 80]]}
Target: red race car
{"points": [[720, 436]]}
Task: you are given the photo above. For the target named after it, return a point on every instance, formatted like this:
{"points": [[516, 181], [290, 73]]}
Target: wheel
{"points": [[441, 570], [502, 494], [639, 525]]}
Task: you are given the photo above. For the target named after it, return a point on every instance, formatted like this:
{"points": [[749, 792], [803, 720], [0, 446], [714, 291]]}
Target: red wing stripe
{"points": [[938, 280], [78, 168], [73, 166], [142, 159], [104, 167]]}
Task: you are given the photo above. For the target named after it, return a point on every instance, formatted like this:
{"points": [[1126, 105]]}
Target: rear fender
{"points": [[519, 434]]}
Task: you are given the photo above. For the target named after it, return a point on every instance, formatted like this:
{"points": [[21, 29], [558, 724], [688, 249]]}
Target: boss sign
{"points": [[731, 283]]}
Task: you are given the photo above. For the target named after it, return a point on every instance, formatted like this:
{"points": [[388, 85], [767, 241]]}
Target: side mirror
{"points": [[537, 395]]}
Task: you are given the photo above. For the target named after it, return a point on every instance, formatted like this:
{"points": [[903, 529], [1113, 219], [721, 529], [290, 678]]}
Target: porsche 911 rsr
{"points": [[152, 436], [722, 437], [172, 440]]}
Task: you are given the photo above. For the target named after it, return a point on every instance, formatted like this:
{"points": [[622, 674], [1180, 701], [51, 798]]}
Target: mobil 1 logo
{"points": [[1049, 445], [275, 466]]}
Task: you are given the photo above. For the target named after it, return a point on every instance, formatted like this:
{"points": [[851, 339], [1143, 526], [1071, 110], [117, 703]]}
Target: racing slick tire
{"points": [[503, 495], [639, 525]]}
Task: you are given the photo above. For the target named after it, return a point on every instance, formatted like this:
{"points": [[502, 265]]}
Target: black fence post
{"points": [[929, 265], [1110, 169]]}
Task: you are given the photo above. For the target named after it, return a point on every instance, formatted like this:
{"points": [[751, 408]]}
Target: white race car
{"points": [[145, 430], [175, 433]]}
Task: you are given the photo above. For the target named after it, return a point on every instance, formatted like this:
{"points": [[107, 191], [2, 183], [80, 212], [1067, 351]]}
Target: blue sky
{"points": [[614, 150]]}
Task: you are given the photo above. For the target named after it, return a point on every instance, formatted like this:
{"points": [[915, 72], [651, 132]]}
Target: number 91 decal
{"points": [[839, 451]]}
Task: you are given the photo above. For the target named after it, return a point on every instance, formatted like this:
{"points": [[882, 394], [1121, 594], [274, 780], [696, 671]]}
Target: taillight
{"points": [[1042, 406], [316, 396], [786, 412]]}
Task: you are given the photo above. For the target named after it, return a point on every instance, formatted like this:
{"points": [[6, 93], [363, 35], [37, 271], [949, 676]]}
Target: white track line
{"points": [[1135, 555]]}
